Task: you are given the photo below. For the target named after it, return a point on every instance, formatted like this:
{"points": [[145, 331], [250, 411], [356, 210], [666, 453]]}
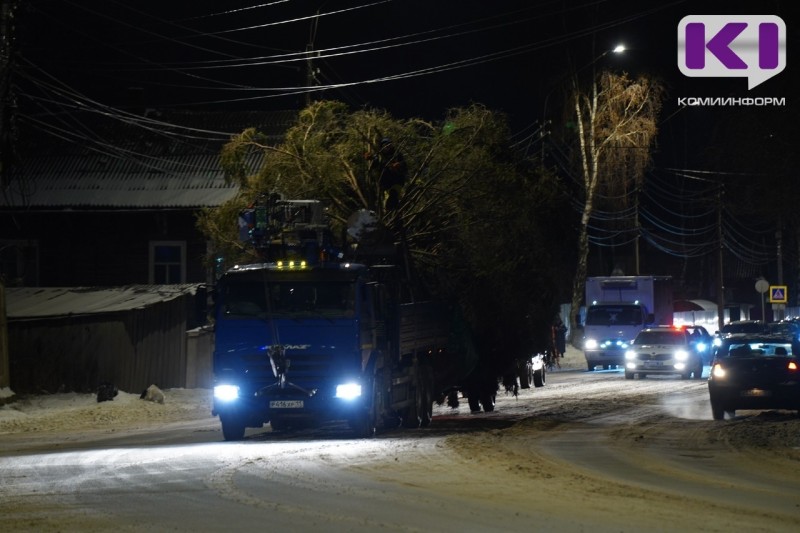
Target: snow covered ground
{"points": [[74, 411], [57, 414], [589, 451]]}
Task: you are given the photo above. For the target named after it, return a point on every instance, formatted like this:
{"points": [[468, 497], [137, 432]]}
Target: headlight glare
{"points": [[348, 391], [226, 393], [590, 344], [681, 355]]}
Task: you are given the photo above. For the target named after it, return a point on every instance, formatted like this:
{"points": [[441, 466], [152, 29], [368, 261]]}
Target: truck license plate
{"points": [[286, 404]]}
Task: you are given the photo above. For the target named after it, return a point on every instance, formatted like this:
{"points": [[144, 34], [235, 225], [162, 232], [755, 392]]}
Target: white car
{"points": [[663, 350]]}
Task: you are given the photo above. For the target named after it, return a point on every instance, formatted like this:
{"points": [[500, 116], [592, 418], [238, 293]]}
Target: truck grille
{"points": [[305, 369]]}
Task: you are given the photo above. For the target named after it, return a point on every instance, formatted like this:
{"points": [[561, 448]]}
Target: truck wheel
{"points": [[474, 402], [487, 401], [232, 426], [411, 419], [366, 425], [591, 366], [539, 378], [525, 375]]}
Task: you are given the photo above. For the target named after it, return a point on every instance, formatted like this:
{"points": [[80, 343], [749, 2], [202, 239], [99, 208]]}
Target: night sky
{"points": [[419, 58], [412, 57]]}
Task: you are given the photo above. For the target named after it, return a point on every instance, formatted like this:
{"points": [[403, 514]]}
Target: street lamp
{"points": [[620, 48]]}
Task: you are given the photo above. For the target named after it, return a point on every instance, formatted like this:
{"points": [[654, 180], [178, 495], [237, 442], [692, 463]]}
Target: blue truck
{"points": [[315, 334]]}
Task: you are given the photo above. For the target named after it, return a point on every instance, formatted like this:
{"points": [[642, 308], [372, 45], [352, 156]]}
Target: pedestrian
{"points": [[559, 336]]}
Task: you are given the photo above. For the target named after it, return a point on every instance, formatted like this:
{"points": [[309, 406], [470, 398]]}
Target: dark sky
{"points": [[410, 57], [416, 58]]}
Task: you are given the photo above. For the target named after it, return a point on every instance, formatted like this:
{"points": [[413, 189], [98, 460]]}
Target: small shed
{"points": [[72, 339]]}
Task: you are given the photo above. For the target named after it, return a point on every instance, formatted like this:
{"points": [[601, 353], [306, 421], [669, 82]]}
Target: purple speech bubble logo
{"points": [[751, 46]]}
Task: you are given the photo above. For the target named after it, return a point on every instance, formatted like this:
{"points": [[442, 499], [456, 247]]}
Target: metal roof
{"points": [[76, 181], [132, 165], [54, 302]]}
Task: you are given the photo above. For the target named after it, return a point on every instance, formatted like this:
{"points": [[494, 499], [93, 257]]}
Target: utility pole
{"points": [[7, 103], [638, 229], [779, 309], [7, 107], [720, 283], [311, 70]]}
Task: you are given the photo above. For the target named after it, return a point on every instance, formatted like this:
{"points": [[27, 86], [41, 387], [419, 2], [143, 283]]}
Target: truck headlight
{"points": [[348, 391], [590, 344], [226, 393]]}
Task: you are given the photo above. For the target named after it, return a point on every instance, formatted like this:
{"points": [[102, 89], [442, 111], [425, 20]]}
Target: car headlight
{"points": [[226, 393], [630, 354], [718, 372], [348, 391], [590, 344], [681, 355], [717, 342], [701, 347]]}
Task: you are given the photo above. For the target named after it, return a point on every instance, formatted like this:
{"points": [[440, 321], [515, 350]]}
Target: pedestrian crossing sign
{"points": [[778, 294]]}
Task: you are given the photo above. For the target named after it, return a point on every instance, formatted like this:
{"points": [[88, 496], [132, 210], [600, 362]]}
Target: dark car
{"points": [[663, 350], [754, 372], [739, 326], [788, 328]]}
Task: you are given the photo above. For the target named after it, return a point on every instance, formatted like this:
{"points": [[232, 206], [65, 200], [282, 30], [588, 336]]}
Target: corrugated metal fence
{"points": [[133, 349]]}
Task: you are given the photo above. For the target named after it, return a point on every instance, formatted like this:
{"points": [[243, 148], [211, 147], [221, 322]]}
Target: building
{"points": [[117, 204]]}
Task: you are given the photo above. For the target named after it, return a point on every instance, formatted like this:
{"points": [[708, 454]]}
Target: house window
{"points": [[167, 262], [19, 263]]}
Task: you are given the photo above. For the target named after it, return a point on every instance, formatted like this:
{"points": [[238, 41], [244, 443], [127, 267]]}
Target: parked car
{"points": [[702, 340], [754, 371], [739, 326], [788, 328], [663, 350]]}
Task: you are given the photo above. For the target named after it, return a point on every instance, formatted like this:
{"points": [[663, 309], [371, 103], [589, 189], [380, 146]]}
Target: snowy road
{"points": [[590, 451]]}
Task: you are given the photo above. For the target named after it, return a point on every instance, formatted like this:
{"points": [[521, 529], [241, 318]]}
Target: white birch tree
{"points": [[616, 128]]}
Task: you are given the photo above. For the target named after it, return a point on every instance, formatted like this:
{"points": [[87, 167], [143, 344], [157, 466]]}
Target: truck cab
{"points": [[617, 309], [609, 330], [292, 344]]}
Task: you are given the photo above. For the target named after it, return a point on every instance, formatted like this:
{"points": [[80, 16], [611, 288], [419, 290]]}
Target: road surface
{"points": [[589, 451]]}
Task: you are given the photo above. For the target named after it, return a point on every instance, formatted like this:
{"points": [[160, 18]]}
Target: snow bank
{"points": [[76, 411]]}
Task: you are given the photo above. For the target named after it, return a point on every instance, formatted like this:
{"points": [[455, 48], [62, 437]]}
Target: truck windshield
{"points": [[614, 315], [293, 299]]}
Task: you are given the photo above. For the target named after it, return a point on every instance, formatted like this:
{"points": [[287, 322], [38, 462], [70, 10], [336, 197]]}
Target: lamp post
{"points": [[619, 49]]}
